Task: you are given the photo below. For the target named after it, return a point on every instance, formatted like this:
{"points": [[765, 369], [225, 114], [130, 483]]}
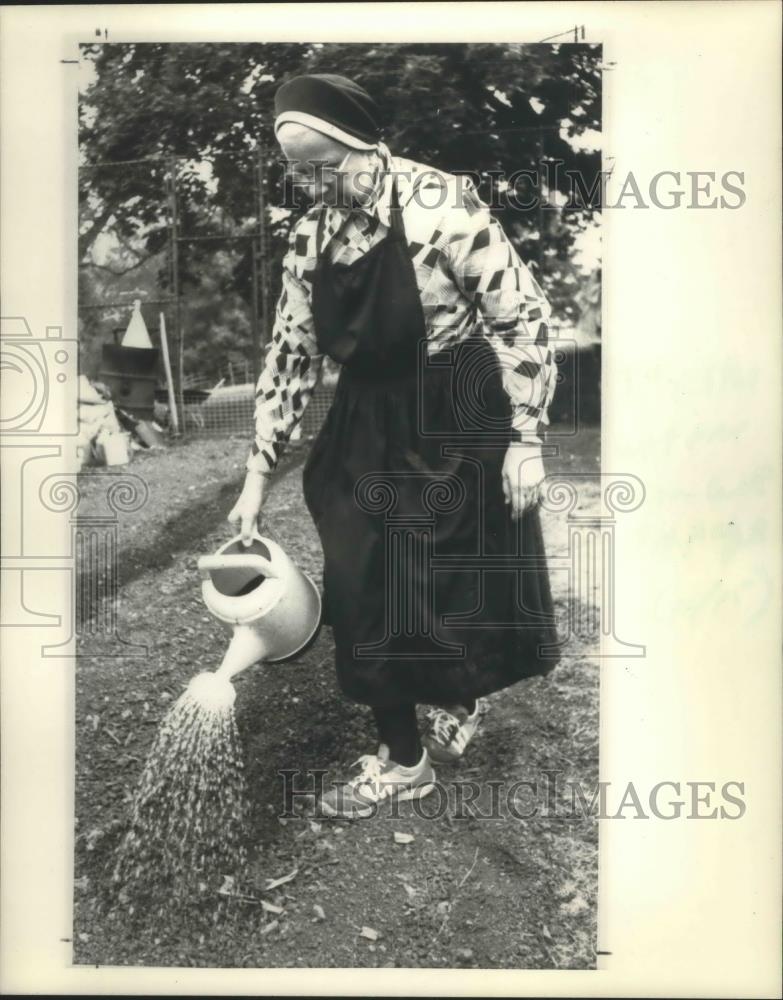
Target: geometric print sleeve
{"points": [[514, 311], [292, 363]]}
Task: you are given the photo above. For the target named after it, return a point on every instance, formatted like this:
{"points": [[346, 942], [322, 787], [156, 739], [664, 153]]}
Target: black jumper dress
{"points": [[434, 593]]}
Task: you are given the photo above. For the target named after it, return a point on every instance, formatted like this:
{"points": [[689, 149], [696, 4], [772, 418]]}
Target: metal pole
{"points": [[540, 167], [263, 240], [254, 326], [123, 304]]}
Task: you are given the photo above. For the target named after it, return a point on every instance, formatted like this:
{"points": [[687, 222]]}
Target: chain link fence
{"points": [[226, 405]]}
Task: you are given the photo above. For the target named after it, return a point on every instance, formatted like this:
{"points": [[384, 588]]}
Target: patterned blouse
{"points": [[470, 278]]}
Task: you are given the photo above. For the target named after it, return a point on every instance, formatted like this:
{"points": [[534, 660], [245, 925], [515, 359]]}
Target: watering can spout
{"points": [[246, 648]]}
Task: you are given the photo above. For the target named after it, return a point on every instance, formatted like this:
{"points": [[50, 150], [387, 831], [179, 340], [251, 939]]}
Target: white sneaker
{"points": [[379, 779], [449, 733]]}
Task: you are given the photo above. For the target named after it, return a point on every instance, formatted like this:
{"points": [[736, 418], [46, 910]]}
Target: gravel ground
{"points": [[510, 892]]}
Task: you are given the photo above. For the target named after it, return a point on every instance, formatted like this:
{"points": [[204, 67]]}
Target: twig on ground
{"points": [[464, 879], [467, 874]]}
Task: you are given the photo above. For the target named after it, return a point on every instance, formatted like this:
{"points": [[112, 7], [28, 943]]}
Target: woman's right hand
{"points": [[244, 514]]}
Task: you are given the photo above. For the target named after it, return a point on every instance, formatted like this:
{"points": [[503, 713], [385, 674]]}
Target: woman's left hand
{"points": [[523, 473]]}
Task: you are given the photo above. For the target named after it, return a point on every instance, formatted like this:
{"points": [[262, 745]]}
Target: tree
{"points": [[483, 109]]}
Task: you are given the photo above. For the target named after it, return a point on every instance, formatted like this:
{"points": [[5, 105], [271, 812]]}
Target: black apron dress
{"points": [[434, 593]]}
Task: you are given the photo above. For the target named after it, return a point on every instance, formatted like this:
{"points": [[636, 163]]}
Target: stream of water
{"points": [[189, 815]]}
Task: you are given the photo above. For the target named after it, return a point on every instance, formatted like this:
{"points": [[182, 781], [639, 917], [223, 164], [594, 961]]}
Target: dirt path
{"points": [[480, 892]]}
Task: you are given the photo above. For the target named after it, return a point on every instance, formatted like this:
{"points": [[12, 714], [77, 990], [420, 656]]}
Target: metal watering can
{"points": [[274, 607]]}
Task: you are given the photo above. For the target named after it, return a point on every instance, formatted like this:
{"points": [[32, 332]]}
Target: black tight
{"points": [[399, 730]]}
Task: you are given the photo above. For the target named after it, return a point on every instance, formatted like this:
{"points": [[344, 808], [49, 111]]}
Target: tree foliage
{"points": [[486, 109]]}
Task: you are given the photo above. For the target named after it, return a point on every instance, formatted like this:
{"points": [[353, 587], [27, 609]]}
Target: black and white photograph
{"points": [[390, 553], [340, 314]]}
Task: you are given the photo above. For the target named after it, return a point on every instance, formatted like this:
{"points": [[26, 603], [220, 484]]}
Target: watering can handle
{"points": [[250, 561]]}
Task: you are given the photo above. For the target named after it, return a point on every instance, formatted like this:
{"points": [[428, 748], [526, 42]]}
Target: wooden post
{"points": [[164, 346]]}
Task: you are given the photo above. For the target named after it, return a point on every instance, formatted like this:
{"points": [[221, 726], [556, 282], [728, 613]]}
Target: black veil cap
{"points": [[335, 100]]}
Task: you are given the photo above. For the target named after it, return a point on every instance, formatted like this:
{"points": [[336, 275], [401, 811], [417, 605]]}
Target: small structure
{"points": [[130, 369]]}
